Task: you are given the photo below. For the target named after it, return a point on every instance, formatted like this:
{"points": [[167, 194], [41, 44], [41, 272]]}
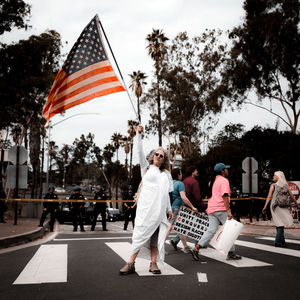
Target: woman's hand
{"points": [[140, 128], [194, 209], [170, 214], [263, 210]]}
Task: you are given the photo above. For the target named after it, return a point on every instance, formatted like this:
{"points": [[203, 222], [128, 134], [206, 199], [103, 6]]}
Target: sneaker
{"points": [[195, 254], [154, 268], [187, 250], [127, 269], [232, 255], [173, 244]]}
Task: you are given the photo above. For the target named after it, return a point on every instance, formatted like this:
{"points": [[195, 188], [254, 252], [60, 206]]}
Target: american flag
{"points": [[86, 74]]}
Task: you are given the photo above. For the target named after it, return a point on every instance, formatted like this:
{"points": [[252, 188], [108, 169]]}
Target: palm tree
{"points": [[117, 140], [137, 82], [132, 132], [157, 48]]}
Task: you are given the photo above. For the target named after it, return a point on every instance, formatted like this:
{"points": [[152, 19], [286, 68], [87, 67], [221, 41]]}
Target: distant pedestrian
{"points": [[3, 206], [280, 192], [192, 188], [218, 209], [129, 208], [100, 208], [151, 224], [179, 200], [77, 209], [50, 208]]}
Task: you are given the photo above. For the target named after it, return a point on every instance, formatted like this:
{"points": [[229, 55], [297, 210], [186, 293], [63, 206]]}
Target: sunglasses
{"points": [[159, 155]]}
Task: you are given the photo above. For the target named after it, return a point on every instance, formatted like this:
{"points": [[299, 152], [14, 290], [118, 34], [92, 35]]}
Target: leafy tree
{"points": [[157, 49], [137, 82], [132, 133], [189, 75], [265, 59], [117, 140], [13, 13]]}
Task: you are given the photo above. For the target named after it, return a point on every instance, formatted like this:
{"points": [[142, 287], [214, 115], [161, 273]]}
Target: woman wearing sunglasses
{"points": [[151, 223]]}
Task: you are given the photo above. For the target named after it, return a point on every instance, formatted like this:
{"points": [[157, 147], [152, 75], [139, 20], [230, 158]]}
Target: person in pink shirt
{"points": [[218, 209]]}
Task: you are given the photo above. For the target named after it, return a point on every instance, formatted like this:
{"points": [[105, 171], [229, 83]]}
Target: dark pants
{"points": [[130, 212], [258, 206], [77, 217], [103, 216], [2, 210], [279, 240], [52, 217]]}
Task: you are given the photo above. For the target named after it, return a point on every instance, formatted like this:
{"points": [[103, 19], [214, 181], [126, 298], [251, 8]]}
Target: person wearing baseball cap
{"points": [[218, 209]]}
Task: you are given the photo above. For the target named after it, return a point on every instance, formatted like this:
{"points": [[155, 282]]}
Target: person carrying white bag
{"points": [[218, 210]]}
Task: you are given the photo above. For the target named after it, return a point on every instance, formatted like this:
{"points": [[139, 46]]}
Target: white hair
{"points": [[281, 178]]}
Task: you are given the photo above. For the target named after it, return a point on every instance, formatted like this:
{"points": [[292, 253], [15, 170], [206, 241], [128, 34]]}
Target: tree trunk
{"points": [[35, 144], [130, 165], [158, 105]]}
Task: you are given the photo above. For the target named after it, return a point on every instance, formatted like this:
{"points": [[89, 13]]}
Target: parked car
{"points": [[113, 214]]}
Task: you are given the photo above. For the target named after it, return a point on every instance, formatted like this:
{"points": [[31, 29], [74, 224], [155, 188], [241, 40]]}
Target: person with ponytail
{"points": [[280, 195]]}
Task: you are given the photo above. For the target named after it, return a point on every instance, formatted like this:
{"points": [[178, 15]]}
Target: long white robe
{"points": [[153, 205]]}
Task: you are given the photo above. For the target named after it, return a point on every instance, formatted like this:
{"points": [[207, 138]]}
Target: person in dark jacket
{"points": [[77, 209], [100, 208], [129, 208], [50, 207], [3, 206]]}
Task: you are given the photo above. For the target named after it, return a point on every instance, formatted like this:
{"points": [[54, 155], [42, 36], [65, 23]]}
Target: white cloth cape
{"points": [[153, 205]]}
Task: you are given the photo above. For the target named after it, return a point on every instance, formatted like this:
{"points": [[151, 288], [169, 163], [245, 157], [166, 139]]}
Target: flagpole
{"points": [[137, 116]]}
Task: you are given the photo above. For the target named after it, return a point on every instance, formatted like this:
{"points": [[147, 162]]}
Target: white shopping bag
{"points": [[226, 236]]}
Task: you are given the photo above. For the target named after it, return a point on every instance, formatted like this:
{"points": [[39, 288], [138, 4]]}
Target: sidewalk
{"points": [[27, 230]]}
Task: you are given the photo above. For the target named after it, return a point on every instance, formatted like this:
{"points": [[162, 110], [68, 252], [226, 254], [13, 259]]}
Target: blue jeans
{"points": [[214, 221], [279, 240]]}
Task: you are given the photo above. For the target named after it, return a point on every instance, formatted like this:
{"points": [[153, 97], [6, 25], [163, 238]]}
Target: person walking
{"points": [[280, 195], [3, 206], [50, 207], [151, 223], [218, 209], [77, 209], [100, 208], [129, 208], [179, 200], [192, 188]]}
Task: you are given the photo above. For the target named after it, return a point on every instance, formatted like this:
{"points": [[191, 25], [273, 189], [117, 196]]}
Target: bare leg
{"points": [[154, 252], [133, 257], [169, 230], [182, 238]]}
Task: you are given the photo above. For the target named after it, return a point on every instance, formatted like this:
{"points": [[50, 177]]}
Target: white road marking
{"points": [[141, 263], [91, 239], [245, 262], [49, 264], [202, 277], [273, 249], [268, 238]]}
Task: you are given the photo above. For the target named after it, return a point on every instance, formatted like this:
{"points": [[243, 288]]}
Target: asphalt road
{"points": [[86, 266]]}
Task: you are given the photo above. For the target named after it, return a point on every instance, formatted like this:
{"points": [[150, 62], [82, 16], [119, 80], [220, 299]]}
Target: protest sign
{"points": [[191, 224]]}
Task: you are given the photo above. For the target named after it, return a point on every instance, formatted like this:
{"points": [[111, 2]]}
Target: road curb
{"points": [[19, 239]]}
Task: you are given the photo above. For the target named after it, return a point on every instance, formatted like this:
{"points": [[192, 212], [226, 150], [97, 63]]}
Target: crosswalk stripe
{"points": [[202, 277], [273, 249], [49, 264], [91, 239], [268, 238], [141, 263], [245, 262]]}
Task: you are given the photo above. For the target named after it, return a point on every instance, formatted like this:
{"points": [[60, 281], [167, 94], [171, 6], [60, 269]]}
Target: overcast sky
{"points": [[127, 23]]}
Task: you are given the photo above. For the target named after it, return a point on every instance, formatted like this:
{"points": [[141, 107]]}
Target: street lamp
{"points": [[49, 135]]}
